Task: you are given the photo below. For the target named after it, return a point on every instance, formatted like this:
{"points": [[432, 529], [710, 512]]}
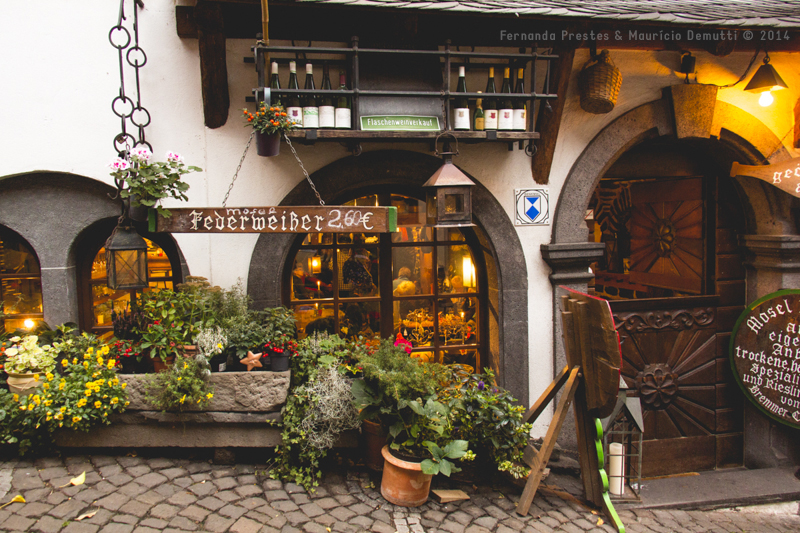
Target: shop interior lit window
{"points": [[105, 300], [419, 284], [21, 282]]}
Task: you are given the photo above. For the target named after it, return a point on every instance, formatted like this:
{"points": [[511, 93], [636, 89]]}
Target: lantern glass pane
{"points": [[130, 267], [453, 203]]}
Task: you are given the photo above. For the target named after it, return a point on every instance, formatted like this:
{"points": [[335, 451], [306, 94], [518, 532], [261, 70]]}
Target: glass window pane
{"points": [[414, 264], [414, 320], [313, 318], [318, 238], [104, 301], [16, 257], [410, 220], [359, 272], [458, 267], [312, 276], [22, 296], [360, 319]]}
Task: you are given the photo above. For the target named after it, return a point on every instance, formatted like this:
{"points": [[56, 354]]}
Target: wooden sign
{"points": [[785, 176], [277, 219], [765, 355]]}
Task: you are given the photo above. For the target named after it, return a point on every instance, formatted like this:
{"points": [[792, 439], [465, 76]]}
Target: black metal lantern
{"points": [[126, 259], [449, 194]]}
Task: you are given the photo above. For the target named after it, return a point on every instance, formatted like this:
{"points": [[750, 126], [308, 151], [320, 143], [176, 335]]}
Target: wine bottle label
{"points": [[505, 119], [343, 117], [480, 123], [461, 119], [295, 115], [311, 117], [327, 116], [490, 120], [519, 119]]}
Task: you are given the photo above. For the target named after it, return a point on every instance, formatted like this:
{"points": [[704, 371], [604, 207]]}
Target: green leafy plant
{"points": [[316, 410], [26, 356], [492, 420], [182, 385], [170, 320], [269, 120], [147, 182]]}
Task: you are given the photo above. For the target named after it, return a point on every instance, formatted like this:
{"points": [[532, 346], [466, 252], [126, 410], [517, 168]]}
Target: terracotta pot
{"points": [[188, 350], [23, 383], [374, 436], [268, 145], [403, 482], [160, 365]]}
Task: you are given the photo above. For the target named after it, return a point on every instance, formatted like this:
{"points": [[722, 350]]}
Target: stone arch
{"points": [[347, 178]]}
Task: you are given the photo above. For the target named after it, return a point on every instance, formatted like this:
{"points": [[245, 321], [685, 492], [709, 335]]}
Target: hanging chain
{"points": [[313, 188], [123, 106], [236, 174]]}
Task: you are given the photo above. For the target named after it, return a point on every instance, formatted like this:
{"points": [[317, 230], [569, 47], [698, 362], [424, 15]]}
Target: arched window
{"points": [[97, 300], [420, 283], [21, 282]]}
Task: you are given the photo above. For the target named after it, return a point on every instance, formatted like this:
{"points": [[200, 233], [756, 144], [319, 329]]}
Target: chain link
{"points": [[236, 174], [313, 188]]}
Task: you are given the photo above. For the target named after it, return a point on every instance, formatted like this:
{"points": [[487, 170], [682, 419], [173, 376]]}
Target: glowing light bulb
{"points": [[766, 99], [28, 323]]}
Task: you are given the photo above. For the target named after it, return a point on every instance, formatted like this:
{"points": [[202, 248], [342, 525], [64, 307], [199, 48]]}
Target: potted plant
{"points": [[180, 386], [269, 123], [401, 391], [26, 362], [165, 328], [145, 183]]}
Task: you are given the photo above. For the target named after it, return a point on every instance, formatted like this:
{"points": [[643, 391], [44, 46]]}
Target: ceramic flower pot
{"points": [[403, 482], [160, 365], [23, 383], [268, 145], [279, 362]]}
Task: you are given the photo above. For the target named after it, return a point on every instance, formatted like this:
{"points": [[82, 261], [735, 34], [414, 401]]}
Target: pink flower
{"points": [[141, 153], [172, 157], [119, 164]]}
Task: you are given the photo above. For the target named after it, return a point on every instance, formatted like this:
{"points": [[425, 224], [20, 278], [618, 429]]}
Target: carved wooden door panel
{"points": [[670, 358]]}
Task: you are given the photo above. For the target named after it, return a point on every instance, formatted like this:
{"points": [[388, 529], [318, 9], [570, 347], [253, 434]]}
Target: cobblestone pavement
{"points": [[124, 494]]}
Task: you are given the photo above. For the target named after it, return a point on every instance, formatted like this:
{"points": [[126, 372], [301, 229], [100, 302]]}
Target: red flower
{"points": [[157, 322]]}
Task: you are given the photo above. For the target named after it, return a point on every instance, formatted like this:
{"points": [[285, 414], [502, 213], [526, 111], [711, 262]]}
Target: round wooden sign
{"points": [[765, 355]]}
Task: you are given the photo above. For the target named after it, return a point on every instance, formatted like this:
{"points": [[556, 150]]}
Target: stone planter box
{"points": [[244, 412]]}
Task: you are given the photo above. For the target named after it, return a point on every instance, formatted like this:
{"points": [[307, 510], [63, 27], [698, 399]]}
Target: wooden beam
{"points": [[548, 121], [213, 65]]}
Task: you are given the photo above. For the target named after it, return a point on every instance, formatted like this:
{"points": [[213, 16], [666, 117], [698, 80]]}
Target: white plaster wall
{"points": [[61, 74]]}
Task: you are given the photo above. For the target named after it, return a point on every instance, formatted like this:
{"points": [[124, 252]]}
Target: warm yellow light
{"points": [[766, 99], [29, 323], [468, 270]]}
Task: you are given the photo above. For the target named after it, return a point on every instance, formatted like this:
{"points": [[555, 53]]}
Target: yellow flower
{"points": [[59, 416], [64, 362], [219, 345], [16, 398], [185, 366], [124, 385], [90, 350], [86, 364], [45, 386], [76, 419], [99, 360], [74, 361], [127, 404], [105, 414], [86, 357], [87, 392], [81, 402], [209, 395], [22, 407], [200, 400], [63, 408], [105, 396], [182, 399], [61, 385], [48, 402], [30, 407], [111, 364], [114, 400], [98, 404], [49, 376], [36, 377], [179, 378]]}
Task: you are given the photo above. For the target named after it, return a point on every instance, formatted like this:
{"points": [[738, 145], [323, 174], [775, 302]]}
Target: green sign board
{"points": [[765, 355], [399, 123]]}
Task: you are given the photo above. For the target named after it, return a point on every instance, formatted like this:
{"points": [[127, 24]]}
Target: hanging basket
{"points": [[599, 83], [268, 145]]}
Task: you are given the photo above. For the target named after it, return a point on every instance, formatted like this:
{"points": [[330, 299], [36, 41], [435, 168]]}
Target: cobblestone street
{"points": [[124, 494]]}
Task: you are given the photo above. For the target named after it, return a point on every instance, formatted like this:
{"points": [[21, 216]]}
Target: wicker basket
{"points": [[599, 83]]}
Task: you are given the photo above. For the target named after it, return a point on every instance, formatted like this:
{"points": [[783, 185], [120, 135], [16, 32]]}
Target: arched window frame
{"points": [[11, 320]]}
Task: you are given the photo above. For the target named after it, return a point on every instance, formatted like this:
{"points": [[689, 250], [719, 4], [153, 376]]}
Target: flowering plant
{"points": [[181, 386], [269, 120], [147, 182], [25, 356], [283, 345]]}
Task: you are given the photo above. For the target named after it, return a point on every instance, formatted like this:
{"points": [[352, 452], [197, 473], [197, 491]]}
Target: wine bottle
{"points": [[461, 104], [293, 108], [275, 83], [490, 103], [479, 118], [310, 108], [519, 103], [343, 120], [505, 119], [327, 112]]}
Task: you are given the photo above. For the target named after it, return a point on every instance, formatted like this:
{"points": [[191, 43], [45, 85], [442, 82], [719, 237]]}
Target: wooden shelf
{"points": [[311, 136]]}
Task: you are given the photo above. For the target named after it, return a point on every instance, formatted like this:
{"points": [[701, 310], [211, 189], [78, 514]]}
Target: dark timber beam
{"points": [[548, 121], [213, 66]]}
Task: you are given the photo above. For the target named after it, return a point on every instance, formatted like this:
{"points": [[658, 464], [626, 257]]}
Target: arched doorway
{"points": [[671, 220], [496, 241], [731, 134]]}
